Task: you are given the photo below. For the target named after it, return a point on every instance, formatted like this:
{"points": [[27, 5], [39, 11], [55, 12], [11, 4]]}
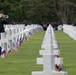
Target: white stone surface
{"points": [[48, 53]]}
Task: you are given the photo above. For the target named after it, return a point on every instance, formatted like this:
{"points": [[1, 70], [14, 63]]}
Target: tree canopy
{"points": [[37, 11]]}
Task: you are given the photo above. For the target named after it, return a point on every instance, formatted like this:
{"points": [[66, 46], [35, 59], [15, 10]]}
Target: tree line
{"points": [[39, 11]]}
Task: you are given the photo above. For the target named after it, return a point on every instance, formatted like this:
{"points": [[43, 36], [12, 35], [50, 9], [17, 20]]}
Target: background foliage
{"points": [[38, 11]]}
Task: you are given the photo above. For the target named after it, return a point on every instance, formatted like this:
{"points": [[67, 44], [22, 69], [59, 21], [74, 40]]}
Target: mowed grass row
{"points": [[23, 61], [68, 51]]}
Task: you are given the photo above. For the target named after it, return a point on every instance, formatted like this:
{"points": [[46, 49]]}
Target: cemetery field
{"points": [[68, 51], [23, 61]]}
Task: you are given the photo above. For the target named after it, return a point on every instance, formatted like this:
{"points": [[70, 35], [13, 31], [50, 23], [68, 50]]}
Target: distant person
{"points": [[3, 20], [0, 49], [45, 26], [74, 24], [55, 26]]}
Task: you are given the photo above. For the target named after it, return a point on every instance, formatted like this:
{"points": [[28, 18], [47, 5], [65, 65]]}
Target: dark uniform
{"points": [[0, 50], [2, 22]]}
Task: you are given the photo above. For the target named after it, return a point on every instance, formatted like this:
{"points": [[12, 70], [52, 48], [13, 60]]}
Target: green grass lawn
{"points": [[23, 61], [68, 51]]}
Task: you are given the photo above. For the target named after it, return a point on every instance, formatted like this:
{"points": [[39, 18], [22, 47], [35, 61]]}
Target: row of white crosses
{"points": [[70, 30], [13, 33], [50, 55]]}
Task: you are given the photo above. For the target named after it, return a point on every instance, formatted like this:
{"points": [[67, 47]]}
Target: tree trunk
{"points": [[63, 20]]}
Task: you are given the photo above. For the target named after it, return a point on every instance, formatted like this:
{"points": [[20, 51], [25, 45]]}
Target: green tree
{"points": [[39, 10]]}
